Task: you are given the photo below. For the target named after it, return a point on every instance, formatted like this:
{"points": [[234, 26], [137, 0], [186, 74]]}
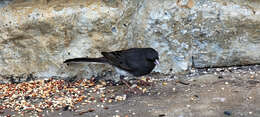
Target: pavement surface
{"points": [[212, 92]]}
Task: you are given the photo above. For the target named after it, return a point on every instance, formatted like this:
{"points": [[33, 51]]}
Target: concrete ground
{"points": [[215, 92]]}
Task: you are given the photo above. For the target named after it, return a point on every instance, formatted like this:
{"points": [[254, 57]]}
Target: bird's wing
{"points": [[118, 59]]}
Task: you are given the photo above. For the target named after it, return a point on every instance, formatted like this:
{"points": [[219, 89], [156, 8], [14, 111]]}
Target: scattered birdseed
{"points": [[164, 83], [52, 94]]}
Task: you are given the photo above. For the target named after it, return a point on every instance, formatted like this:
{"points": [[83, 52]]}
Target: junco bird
{"points": [[134, 61]]}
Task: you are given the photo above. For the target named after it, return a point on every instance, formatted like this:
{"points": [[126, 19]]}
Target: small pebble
{"points": [[66, 108], [164, 83], [174, 89], [91, 110], [196, 96], [162, 115], [228, 113]]}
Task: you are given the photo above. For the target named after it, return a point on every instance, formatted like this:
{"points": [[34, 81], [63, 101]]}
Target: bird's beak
{"points": [[156, 62]]}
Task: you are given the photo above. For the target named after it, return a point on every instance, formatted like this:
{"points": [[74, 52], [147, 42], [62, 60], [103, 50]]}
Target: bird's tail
{"points": [[101, 60]]}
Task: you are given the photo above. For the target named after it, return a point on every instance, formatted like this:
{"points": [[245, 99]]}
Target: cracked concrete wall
{"points": [[37, 36]]}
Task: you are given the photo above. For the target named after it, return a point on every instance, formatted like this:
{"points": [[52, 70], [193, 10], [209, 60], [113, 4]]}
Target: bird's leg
{"points": [[124, 81], [132, 88], [143, 81]]}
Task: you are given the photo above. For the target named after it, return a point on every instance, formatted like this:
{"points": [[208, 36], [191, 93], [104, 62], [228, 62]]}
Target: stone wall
{"points": [[37, 36]]}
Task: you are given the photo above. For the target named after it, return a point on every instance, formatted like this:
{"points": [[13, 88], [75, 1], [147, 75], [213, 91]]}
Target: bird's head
{"points": [[152, 55]]}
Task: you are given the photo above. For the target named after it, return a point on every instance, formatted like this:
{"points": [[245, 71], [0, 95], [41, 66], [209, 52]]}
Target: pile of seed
{"points": [[39, 95]]}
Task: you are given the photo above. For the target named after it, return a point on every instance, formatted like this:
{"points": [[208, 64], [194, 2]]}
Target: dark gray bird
{"points": [[134, 61]]}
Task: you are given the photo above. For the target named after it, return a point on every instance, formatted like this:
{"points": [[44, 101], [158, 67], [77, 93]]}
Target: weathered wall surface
{"points": [[37, 36]]}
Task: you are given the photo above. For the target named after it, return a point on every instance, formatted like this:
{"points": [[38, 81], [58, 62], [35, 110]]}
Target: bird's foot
{"points": [[133, 88], [126, 83], [143, 81]]}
